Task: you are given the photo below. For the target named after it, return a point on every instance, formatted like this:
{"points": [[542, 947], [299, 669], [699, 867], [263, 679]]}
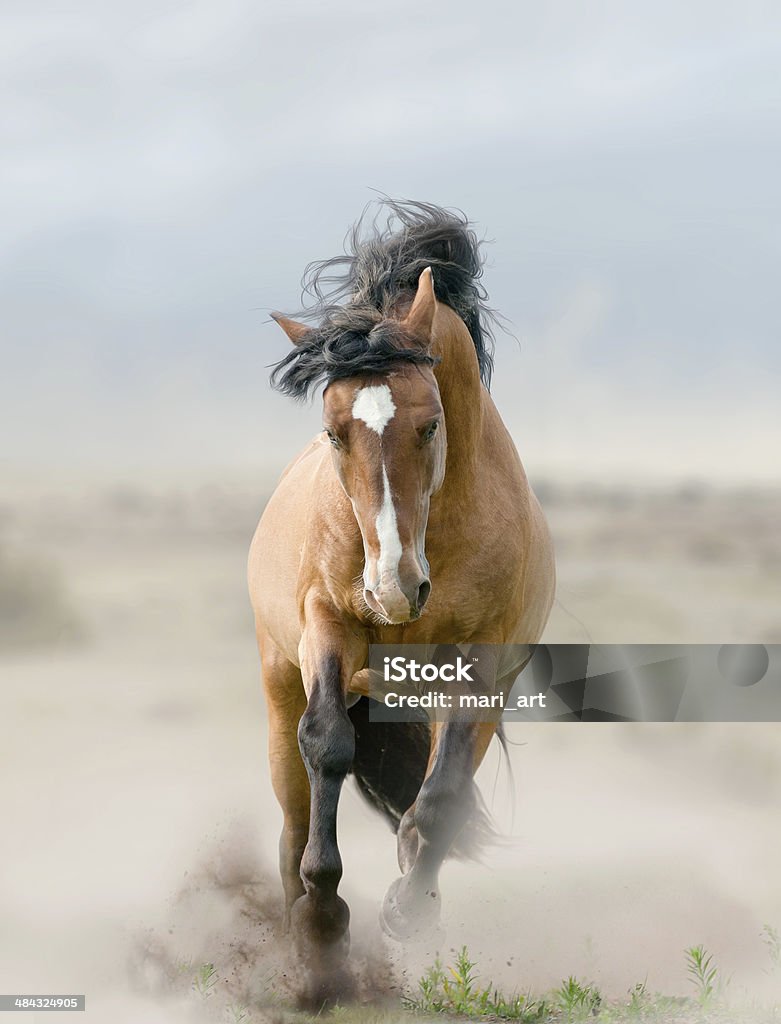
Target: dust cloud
{"points": [[140, 831]]}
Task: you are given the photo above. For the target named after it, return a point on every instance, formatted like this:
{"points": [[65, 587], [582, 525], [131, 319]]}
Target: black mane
{"points": [[382, 263]]}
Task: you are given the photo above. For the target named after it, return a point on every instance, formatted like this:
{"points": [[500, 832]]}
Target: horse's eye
{"points": [[334, 440], [430, 430]]}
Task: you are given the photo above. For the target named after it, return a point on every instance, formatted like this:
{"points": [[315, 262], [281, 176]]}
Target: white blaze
{"points": [[374, 405], [388, 533]]}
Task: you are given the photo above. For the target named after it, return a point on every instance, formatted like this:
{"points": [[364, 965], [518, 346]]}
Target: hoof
{"points": [[405, 916], [321, 945], [315, 927], [320, 992]]}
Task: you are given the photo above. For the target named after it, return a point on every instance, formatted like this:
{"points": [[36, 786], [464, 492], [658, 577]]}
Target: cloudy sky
{"points": [[168, 169]]}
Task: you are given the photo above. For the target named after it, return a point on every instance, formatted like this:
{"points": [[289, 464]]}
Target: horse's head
{"points": [[387, 433]]}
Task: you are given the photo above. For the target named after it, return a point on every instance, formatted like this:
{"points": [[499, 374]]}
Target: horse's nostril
{"points": [[423, 591]]}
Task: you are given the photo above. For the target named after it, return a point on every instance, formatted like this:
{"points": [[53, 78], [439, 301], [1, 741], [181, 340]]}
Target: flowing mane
{"points": [[384, 259]]}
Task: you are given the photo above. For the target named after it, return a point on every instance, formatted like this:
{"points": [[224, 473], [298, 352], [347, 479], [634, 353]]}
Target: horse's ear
{"points": [[421, 315], [294, 330]]}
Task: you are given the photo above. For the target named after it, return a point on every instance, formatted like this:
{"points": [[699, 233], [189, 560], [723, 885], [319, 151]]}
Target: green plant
{"points": [[204, 980], [235, 1013], [430, 988], [455, 990], [578, 1001], [183, 966], [460, 986], [704, 974], [639, 998]]}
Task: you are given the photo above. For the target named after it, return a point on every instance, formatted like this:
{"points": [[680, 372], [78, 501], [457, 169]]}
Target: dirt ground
{"points": [[139, 831]]}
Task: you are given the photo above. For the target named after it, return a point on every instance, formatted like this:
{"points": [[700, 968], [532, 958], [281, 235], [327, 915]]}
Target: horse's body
{"points": [[351, 546]]}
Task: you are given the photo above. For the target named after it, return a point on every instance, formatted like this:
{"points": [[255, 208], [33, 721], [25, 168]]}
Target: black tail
{"points": [[389, 768]]}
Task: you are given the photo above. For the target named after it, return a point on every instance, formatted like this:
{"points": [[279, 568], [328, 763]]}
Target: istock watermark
{"points": [[401, 669], [576, 682]]}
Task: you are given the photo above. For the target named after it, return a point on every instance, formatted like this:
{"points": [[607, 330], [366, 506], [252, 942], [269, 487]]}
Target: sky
{"points": [[168, 170]]}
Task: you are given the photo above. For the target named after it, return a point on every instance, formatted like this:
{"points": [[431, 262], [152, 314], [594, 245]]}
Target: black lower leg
{"points": [[444, 805], [327, 742], [447, 797]]}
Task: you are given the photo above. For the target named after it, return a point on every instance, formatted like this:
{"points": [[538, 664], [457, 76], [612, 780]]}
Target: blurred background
{"points": [[168, 170]]}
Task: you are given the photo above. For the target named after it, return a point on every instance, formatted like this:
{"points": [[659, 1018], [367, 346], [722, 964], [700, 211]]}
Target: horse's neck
{"points": [[461, 392]]}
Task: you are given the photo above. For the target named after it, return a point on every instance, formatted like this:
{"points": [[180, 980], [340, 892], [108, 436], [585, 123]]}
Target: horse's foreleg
{"points": [[286, 702], [320, 918], [444, 805]]}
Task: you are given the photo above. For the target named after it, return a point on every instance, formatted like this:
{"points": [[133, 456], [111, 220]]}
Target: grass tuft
{"points": [[204, 980], [704, 975], [578, 1001], [455, 989]]}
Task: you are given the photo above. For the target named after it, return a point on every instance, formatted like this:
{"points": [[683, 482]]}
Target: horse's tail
{"points": [[389, 769]]}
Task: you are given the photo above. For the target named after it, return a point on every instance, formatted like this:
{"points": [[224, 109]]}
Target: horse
{"points": [[409, 519]]}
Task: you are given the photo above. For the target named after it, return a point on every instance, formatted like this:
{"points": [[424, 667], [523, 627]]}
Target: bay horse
{"points": [[409, 519]]}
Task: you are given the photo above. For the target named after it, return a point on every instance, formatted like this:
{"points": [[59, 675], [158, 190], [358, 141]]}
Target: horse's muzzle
{"points": [[396, 603]]}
